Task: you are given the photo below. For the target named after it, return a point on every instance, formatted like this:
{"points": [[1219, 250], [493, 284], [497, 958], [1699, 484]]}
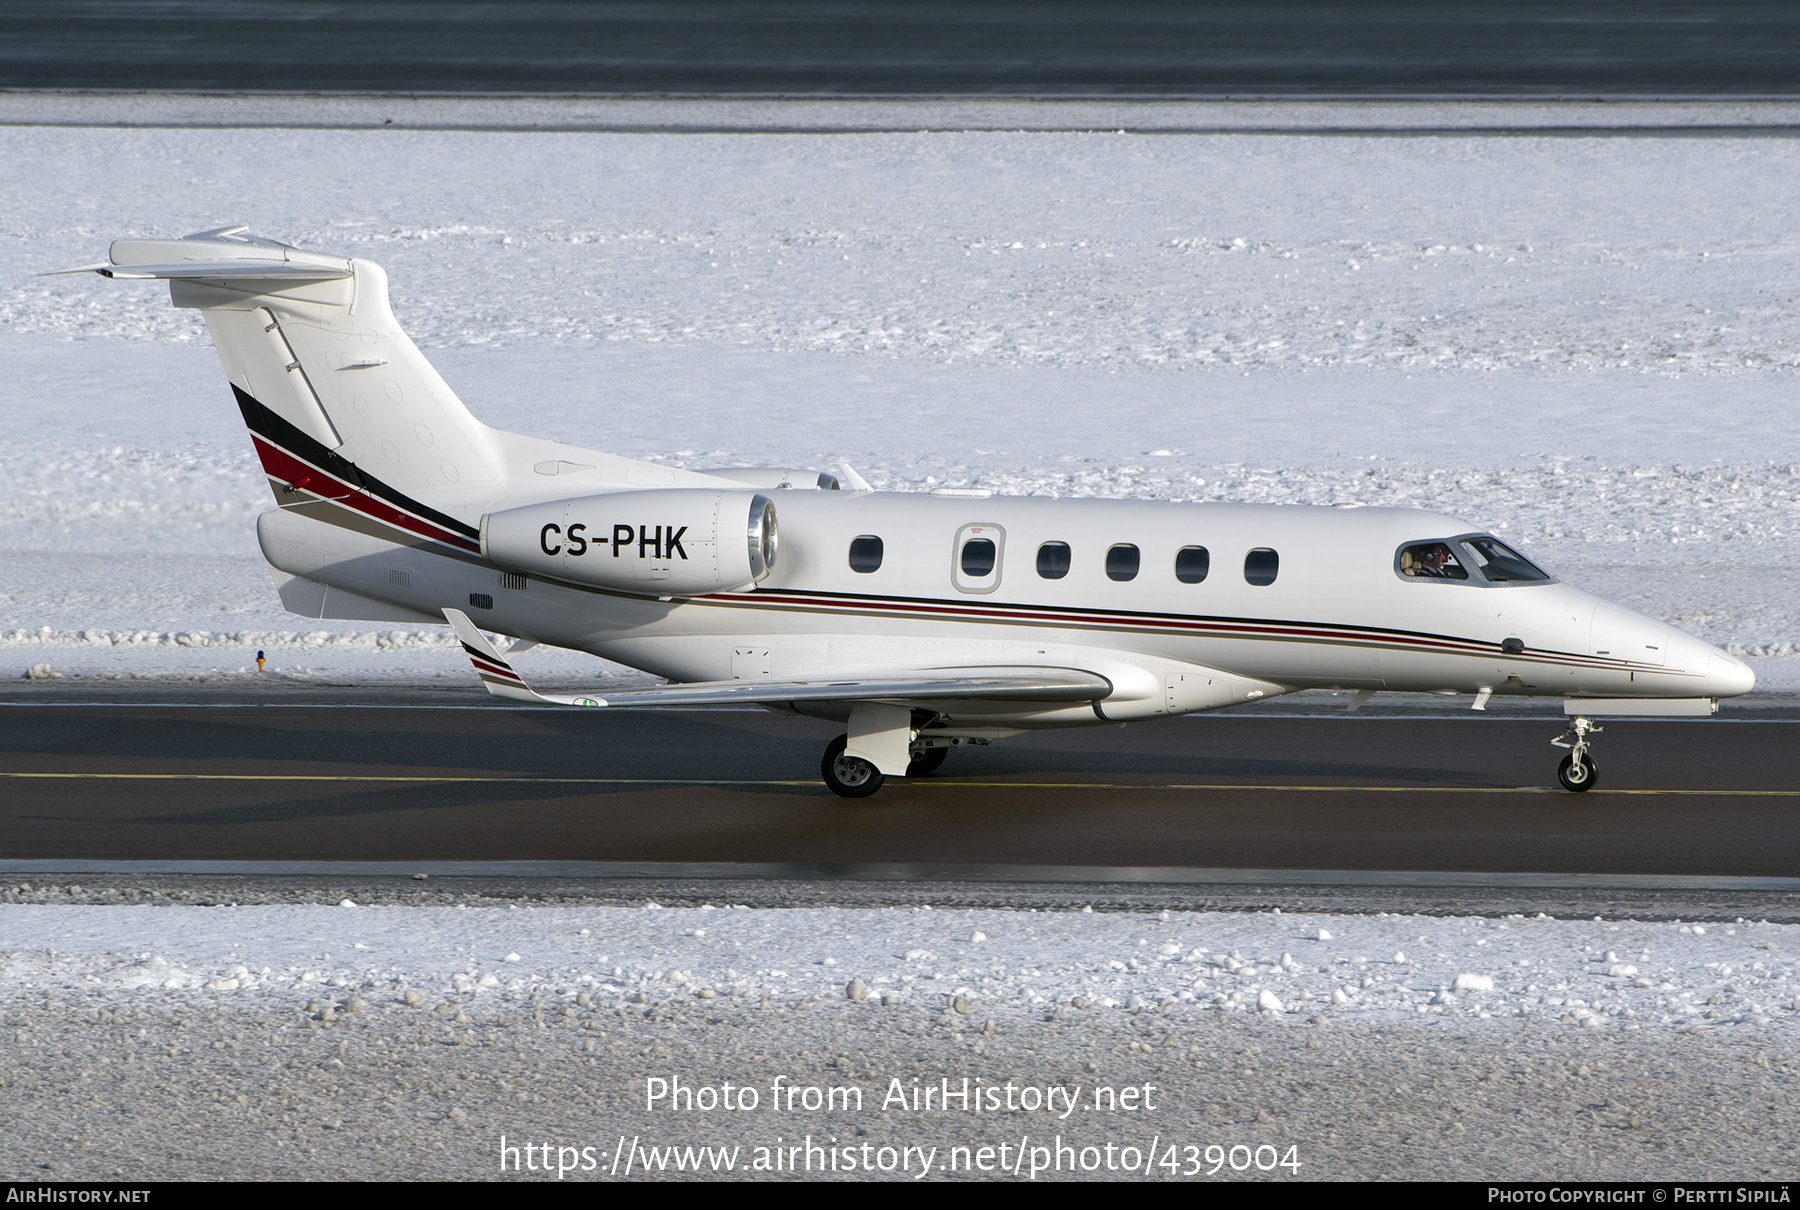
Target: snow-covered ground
{"points": [[1383, 968], [1583, 343], [417, 1042]]}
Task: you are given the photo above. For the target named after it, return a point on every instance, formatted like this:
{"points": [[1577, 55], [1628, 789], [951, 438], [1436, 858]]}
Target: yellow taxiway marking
{"points": [[935, 783], [1089, 785]]}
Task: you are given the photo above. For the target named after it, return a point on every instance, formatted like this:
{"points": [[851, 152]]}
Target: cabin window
{"points": [[1122, 562], [1191, 564], [1261, 566], [1431, 561], [1053, 560], [978, 555], [1499, 563], [865, 554]]}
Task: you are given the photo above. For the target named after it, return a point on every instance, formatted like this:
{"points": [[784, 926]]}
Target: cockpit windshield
{"points": [[1431, 561], [1499, 563]]}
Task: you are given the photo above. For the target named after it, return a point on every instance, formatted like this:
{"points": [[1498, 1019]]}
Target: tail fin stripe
{"points": [[279, 464], [264, 423], [282, 465]]}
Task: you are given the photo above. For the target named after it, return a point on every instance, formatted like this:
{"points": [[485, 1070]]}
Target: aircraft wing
{"points": [[1004, 683]]}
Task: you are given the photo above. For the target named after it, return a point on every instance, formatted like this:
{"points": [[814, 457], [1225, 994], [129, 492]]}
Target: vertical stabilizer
{"points": [[344, 409], [317, 359], [352, 424], [330, 358]]}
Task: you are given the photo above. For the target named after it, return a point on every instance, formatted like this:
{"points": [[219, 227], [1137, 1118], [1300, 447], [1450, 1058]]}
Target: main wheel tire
{"points": [[1577, 777], [927, 762], [848, 776]]}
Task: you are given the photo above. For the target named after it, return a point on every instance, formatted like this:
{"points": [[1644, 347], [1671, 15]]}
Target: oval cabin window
{"points": [[1191, 564], [865, 554], [1122, 562], [1053, 560], [1261, 566], [978, 557]]}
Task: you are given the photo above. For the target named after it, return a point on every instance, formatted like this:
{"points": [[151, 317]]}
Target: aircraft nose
{"points": [[1727, 676]]}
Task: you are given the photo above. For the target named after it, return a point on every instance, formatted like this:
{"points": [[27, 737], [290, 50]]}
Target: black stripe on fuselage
{"points": [[1101, 615], [850, 598]]}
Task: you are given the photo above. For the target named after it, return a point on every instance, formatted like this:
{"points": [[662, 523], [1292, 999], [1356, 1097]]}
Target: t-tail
{"points": [[351, 422]]}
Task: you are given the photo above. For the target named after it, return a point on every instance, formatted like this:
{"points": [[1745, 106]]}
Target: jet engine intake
{"points": [[663, 542]]}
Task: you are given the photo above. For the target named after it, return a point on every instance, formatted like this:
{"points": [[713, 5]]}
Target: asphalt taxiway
{"points": [[535, 790]]}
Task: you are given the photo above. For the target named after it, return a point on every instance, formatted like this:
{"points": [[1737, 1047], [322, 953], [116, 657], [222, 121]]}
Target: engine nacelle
{"points": [[665, 542]]}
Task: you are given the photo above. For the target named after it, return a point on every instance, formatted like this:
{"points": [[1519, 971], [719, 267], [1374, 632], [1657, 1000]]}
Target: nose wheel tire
{"points": [[848, 776], [927, 762], [1577, 775]]}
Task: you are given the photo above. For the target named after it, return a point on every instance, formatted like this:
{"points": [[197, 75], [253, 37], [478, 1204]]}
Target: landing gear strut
{"points": [[1577, 772], [928, 752], [925, 761]]}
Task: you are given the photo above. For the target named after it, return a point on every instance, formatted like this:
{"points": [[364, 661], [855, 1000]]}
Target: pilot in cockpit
{"points": [[1432, 560]]}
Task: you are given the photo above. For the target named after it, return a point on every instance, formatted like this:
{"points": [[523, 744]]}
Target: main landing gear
{"points": [[1577, 772], [926, 761], [853, 777], [849, 776]]}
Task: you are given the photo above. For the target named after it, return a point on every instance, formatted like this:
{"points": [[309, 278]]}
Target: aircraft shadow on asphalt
{"points": [[791, 750], [508, 821]]}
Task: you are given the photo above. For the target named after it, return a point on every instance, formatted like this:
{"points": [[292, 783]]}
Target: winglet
{"points": [[496, 673]]}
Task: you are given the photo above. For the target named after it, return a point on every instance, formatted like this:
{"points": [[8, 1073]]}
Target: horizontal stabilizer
{"points": [[256, 270], [225, 253], [1019, 684], [260, 270]]}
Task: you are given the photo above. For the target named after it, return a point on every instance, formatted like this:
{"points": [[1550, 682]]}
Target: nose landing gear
{"points": [[1577, 772]]}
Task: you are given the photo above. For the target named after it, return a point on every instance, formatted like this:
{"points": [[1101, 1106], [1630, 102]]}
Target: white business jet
{"points": [[924, 622]]}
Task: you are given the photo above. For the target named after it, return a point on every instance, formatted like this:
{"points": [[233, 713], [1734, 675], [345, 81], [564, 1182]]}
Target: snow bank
{"points": [[1384, 968]]}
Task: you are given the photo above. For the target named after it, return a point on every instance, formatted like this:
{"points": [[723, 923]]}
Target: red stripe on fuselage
{"points": [[1234, 628]]}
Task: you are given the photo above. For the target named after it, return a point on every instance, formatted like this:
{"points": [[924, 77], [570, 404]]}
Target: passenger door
{"points": [[976, 558]]}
